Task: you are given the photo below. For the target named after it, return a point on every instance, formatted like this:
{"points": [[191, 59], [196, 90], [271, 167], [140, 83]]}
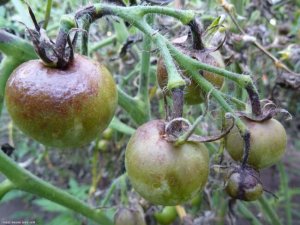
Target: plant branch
{"points": [[24, 180], [102, 43]]}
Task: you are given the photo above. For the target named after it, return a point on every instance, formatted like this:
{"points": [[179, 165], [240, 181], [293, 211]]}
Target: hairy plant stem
{"points": [[84, 23], [143, 92], [244, 81], [196, 34], [26, 181]]}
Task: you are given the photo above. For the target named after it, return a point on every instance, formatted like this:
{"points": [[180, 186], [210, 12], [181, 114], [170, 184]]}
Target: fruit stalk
{"points": [[254, 100], [197, 35], [246, 138], [66, 24]]}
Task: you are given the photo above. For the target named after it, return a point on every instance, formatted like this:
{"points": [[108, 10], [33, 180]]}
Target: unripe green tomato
{"points": [[129, 216], [61, 108], [244, 185], [103, 145], [166, 216], [193, 94], [267, 143], [196, 201], [162, 173], [107, 134]]}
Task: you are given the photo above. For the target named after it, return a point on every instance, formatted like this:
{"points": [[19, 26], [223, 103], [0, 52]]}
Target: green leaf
{"points": [[12, 195], [79, 191], [212, 30], [49, 206], [64, 219]]}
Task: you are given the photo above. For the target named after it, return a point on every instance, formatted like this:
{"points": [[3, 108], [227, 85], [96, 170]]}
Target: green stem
{"points": [[102, 44], [28, 182], [7, 66], [184, 16], [248, 214], [47, 14], [145, 64], [273, 216], [143, 92], [111, 189], [134, 12], [117, 125], [285, 189], [84, 23], [13, 46], [240, 104], [208, 87], [242, 80], [133, 106], [5, 187]]}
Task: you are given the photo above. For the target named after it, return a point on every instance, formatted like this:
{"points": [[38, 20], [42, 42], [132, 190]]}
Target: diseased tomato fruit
{"points": [[244, 184], [61, 108], [130, 216], [166, 216], [193, 93], [267, 143], [162, 173]]}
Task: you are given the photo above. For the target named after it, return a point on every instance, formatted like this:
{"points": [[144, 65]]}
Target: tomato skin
{"points": [[161, 173], [267, 143], [193, 92], [61, 108]]}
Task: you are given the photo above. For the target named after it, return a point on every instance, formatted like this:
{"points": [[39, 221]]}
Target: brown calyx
{"points": [[55, 55]]}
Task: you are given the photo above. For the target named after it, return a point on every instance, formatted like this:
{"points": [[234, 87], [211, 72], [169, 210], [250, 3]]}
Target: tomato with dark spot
{"points": [[61, 108], [162, 173]]}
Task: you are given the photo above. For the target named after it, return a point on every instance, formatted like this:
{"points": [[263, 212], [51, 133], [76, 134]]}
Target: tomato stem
{"points": [[254, 100], [23, 180], [246, 138], [197, 35]]}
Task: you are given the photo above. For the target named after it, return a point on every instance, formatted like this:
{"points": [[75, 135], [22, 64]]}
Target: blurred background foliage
{"points": [[93, 173]]}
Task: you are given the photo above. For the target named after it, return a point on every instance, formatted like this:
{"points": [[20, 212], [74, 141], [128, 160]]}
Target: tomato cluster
{"points": [[69, 106]]}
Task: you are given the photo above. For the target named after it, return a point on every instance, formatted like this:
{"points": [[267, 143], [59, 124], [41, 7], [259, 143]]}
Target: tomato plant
{"points": [[156, 148]]}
